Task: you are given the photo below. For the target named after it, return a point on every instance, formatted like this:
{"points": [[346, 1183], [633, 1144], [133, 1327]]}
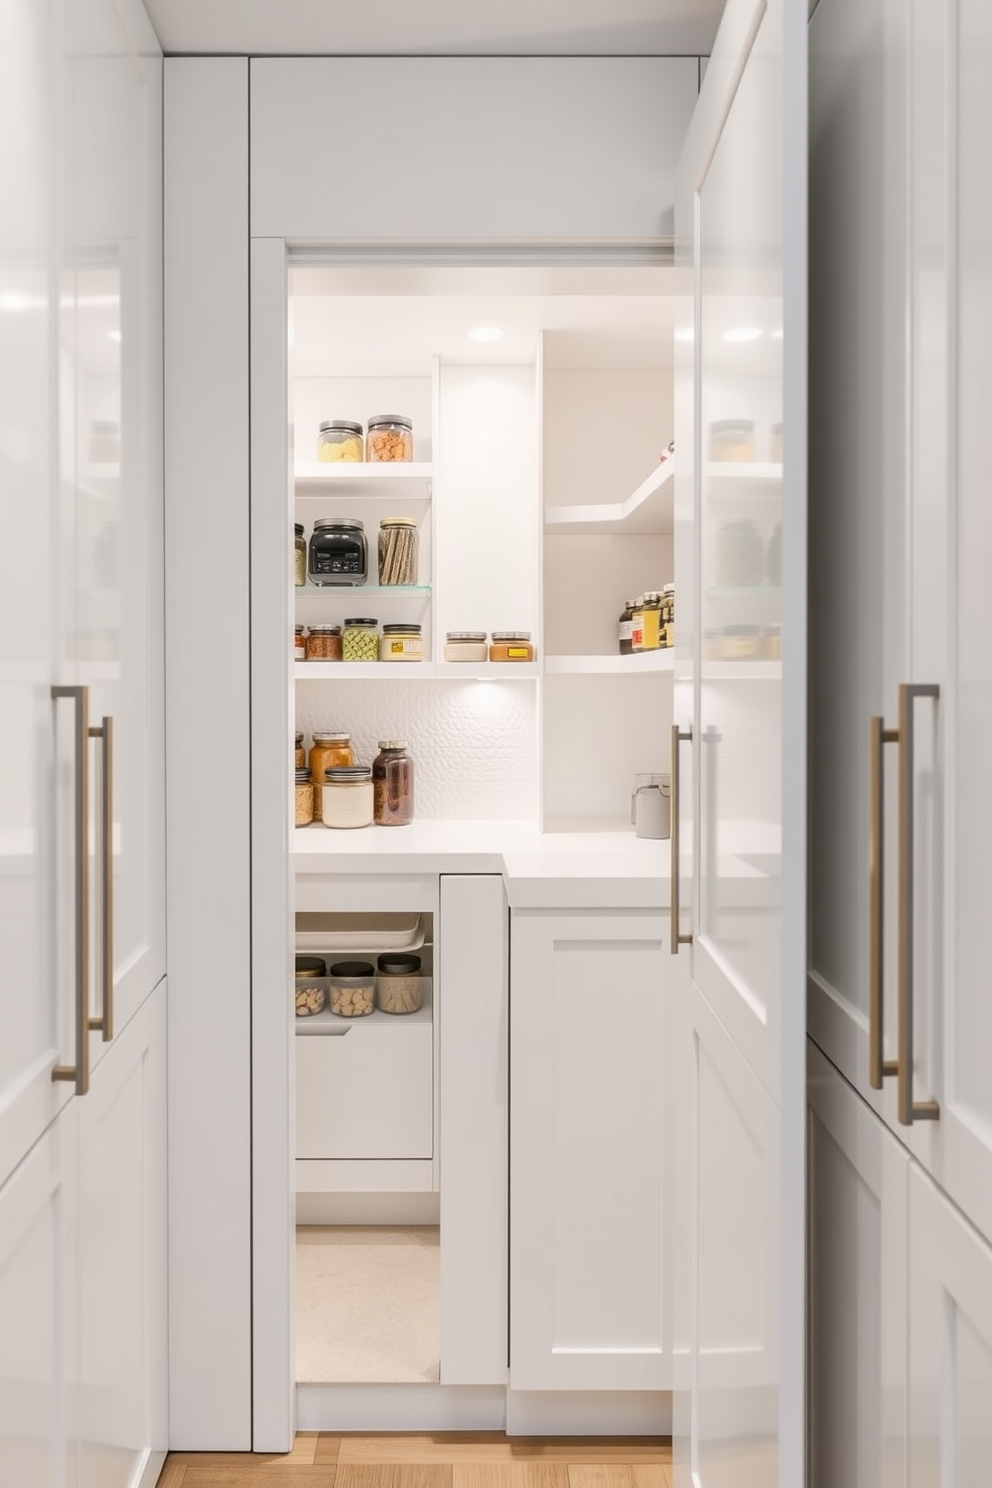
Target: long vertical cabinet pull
{"points": [[907, 1109], [105, 1022], [679, 736], [80, 1071]]}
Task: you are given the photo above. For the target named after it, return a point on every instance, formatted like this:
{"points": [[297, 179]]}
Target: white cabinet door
{"points": [[950, 1310], [741, 237], [120, 1257], [37, 1416], [586, 1151], [858, 1277]]}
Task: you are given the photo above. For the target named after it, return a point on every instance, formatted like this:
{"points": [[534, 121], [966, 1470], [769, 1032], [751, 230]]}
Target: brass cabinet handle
{"points": [[908, 1110], [105, 1023], [679, 736], [878, 1065], [80, 1071]]}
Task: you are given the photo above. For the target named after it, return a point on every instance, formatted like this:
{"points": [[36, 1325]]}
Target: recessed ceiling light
{"points": [[486, 333], [113, 335], [743, 333]]}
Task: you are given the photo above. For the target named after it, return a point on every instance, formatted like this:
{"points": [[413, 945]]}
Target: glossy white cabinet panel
{"points": [[587, 1152], [858, 1278], [366, 1091]]}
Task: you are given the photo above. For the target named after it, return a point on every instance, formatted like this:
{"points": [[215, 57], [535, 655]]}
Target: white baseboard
{"points": [[400, 1408], [150, 1470], [589, 1413]]}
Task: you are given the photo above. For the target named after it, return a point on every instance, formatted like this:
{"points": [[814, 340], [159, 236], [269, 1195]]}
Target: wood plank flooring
{"points": [[433, 1460]]}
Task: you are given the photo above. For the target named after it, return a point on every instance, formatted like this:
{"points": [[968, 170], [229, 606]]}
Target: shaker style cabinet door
{"points": [[586, 1151], [739, 741]]}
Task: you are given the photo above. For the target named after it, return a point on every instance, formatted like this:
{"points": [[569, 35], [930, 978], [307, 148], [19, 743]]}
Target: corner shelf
{"points": [[651, 508], [412, 671], [611, 666]]}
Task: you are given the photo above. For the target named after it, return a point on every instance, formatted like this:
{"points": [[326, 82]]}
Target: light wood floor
{"points": [[434, 1460]]}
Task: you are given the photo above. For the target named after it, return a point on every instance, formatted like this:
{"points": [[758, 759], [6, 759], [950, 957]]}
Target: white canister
{"points": [[347, 797], [651, 806]]}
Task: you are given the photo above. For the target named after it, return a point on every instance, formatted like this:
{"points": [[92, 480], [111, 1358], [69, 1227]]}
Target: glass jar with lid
{"points": [[299, 556], [327, 750], [668, 615], [645, 633], [399, 551], [401, 643], [304, 798], [347, 798], [625, 627], [732, 439], [390, 437], [392, 780], [299, 754], [511, 645], [466, 645], [339, 553], [324, 643], [340, 439], [299, 644], [360, 640]]}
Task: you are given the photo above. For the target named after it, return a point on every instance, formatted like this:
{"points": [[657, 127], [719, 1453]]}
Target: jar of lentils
{"points": [[326, 751], [324, 643], [360, 641]]}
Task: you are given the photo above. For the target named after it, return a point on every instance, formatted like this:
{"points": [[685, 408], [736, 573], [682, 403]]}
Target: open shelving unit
{"points": [[648, 509]]}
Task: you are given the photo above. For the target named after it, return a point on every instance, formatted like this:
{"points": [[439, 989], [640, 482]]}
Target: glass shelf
{"points": [[352, 591]]}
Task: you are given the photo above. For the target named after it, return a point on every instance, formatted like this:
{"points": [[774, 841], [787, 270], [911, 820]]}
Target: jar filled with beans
{"points": [[323, 643], [360, 641]]}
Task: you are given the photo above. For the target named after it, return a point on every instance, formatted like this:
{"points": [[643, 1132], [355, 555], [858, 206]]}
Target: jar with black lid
{"points": [[338, 552], [392, 783]]}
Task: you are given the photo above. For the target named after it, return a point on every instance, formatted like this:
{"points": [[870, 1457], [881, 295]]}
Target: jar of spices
{"points": [[360, 641], [732, 439], [324, 643], [346, 798], [300, 754], [625, 627], [401, 643], [511, 645], [390, 437], [668, 615], [399, 550], [466, 645], [299, 645], [339, 439], [299, 556], [304, 798], [646, 624], [392, 779], [326, 751]]}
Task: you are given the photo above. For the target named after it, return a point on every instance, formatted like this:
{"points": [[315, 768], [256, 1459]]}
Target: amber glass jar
{"points": [[326, 752], [324, 643], [392, 783], [511, 645]]}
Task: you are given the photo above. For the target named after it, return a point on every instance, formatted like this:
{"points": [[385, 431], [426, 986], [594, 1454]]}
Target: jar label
{"points": [[626, 630], [517, 653]]}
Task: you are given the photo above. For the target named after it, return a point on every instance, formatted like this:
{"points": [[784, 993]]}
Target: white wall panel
{"points": [[492, 149]]}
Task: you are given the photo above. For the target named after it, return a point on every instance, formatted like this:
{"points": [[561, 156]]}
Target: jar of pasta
{"points": [[339, 439], [360, 641], [327, 750], [324, 643], [399, 550], [390, 437]]}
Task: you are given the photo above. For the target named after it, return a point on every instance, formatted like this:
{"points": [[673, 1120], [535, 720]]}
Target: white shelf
{"points": [[330, 1025], [359, 481], [735, 471], [486, 671], [407, 671], [354, 591], [651, 508], [611, 666]]}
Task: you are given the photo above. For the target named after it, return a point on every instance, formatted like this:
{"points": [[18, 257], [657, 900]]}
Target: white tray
{"points": [[349, 932]]}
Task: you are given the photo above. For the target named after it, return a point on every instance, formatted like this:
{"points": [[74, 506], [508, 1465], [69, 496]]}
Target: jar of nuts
{"points": [[310, 994], [389, 437], [352, 989]]}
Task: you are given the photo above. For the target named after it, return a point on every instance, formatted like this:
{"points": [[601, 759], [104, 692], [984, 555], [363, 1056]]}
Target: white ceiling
{"points": [[438, 27]]}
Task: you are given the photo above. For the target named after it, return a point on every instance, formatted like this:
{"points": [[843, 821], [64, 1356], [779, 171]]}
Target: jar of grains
{"points": [[399, 550], [327, 750], [398, 983], [304, 798], [390, 437], [300, 755], [401, 643], [299, 645], [299, 555], [392, 778], [339, 439], [360, 641], [347, 797], [324, 643]]}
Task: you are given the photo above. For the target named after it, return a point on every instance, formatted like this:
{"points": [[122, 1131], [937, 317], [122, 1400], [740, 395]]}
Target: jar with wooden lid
{"points": [[511, 645], [399, 551], [346, 798], [401, 643], [389, 437], [392, 781], [304, 798], [326, 751], [324, 643]]}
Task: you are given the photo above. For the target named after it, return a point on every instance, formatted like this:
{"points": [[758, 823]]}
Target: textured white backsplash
{"points": [[474, 744]]}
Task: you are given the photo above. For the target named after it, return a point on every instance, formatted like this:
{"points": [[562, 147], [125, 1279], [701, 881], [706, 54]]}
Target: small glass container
{"points": [[401, 643], [352, 989], [326, 751], [324, 643], [399, 987], [390, 437], [360, 641], [773, 557], [311, 997], [668, 615], [338, 440], [511, 645], [392, 779], [399, 551], [299, 644], [466, 645], [300, 754], [299, 556], [741, 642], [339, 553], [304, 798], [346, 799], [645, 632], [625, 628], [732, 439]]}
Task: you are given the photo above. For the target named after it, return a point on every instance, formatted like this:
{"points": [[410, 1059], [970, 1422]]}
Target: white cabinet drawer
{"points": [[366, 1092]]}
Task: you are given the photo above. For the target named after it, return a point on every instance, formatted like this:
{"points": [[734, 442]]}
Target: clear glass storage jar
{"points": [[324, 643], [466, 645], [392, 779], [732, 439], [339, 553], [327, 750], [360, 641], [300, 754], [311, 996], [352, 988], [399, 551], [340, 439], [399, 987], [389, 437], [401, 643], [299, 556], [346, 798], [304, 798], [511, 645], [299, 644]]}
